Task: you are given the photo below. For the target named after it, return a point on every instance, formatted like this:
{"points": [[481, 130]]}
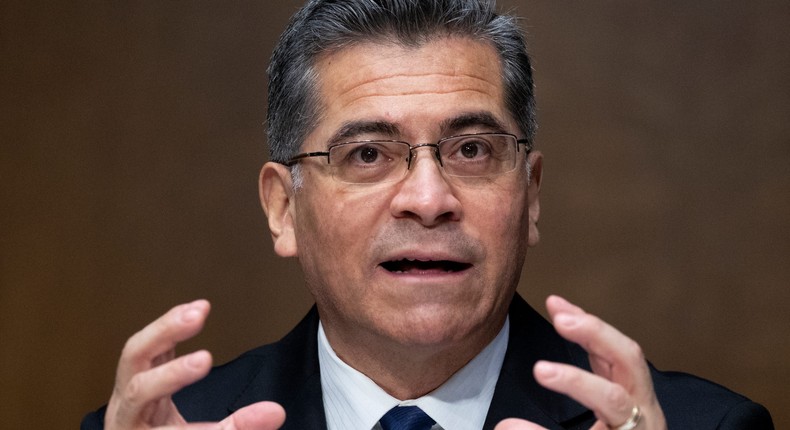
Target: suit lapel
{"points": [[517, 394], [290, 376]]}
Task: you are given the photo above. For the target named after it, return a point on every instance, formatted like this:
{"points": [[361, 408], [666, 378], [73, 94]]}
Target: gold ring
{"points": [[632, 421]]}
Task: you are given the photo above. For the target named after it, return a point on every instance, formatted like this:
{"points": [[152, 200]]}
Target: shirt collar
{"points": [[461, 403]]}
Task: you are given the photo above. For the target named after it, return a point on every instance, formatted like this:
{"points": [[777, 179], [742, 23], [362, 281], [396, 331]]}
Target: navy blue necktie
{"points": [[406, 418]]}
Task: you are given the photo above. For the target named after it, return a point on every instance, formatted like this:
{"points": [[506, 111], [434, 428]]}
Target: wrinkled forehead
{"points": [[396, 81]]}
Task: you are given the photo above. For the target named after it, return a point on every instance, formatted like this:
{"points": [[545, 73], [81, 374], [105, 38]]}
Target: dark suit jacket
{"points": [[287, 372]]}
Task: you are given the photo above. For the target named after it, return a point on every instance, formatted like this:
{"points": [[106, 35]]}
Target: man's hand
{"points": [[149, 373], [620, 379]]}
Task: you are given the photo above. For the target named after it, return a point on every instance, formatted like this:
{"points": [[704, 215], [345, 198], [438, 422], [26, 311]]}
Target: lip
{"points": [[425, 253], [424, 278], [424, 264]]}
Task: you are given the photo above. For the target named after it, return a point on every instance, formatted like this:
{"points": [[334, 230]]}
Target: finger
{"points": [[556, 304], [257, 416], [612, 354], [517, 424], [610, 401], [155, 344], [595, 335], [146, 398]]}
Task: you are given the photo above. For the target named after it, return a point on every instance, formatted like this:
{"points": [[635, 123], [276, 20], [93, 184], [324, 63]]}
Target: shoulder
{"points": [[280, 371], [210, 398], [269, 372], [692, 402]]}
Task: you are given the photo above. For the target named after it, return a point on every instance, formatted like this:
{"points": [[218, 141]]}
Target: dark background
{"points": [[132, 133]]}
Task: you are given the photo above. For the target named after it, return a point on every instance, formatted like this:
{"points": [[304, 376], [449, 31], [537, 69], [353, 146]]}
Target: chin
{"points": [[431, 327]]}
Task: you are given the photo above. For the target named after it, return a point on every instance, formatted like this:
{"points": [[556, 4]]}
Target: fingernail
{"points": [[196, 360], [566, 320], [545, 370], [190, 315], [557, 299]]}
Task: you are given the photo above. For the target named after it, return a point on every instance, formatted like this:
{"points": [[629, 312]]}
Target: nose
{"points": [[425, 195]]}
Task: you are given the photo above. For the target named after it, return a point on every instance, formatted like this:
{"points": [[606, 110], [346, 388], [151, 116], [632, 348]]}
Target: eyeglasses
{"points": [[377, 161]]}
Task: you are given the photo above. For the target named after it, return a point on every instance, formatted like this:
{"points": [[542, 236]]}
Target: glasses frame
{"points": [[298, 157]]}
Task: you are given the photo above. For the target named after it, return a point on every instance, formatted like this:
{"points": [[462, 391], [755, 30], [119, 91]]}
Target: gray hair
{"points": [[324, 26]]}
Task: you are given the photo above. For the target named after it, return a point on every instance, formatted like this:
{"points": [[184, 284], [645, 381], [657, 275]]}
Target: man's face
{"points": [[429, 260]]}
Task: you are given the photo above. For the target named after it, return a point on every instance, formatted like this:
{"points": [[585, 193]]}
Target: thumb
{"points": [[257, 416], [517, 424]]}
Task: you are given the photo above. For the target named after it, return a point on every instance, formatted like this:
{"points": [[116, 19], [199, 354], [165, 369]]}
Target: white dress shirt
{"points": [[354, 401]]}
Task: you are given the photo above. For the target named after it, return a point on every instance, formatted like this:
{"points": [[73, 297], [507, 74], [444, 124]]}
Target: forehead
{"points": [[410, 87]]}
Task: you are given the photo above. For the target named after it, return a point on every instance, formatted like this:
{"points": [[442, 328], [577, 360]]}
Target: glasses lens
{"points": [[478, 154], [369, 162]]}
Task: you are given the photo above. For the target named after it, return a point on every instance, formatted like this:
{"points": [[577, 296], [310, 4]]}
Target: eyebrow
{"points": [[352, 129], [473, 119]]}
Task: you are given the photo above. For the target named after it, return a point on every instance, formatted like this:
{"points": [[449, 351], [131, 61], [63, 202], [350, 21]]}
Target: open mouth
{"points": [[421, 266]]}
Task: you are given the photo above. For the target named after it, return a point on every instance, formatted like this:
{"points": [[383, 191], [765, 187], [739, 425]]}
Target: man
{"points": [[403, 179]]}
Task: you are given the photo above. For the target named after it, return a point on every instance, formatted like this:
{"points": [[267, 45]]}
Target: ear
{"points": [[533, 196], [275, 189]]}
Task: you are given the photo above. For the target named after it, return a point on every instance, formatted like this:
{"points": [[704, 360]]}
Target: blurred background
{"points": [[132, 133]]}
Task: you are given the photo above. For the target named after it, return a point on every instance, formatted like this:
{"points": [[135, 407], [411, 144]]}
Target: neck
{"points": [[408, 371]]}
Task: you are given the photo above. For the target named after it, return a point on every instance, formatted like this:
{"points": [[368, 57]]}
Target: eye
{"points": [[368, 162], [367, 154], [364, 154], [470, 149]]}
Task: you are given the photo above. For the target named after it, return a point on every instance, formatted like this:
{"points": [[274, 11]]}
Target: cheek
{"points": [[504, 226], [333, 236], [333, 231], [502, 216]]}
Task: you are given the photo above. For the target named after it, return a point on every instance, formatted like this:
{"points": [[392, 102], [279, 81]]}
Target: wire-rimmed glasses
{"points": [[377, 161]]}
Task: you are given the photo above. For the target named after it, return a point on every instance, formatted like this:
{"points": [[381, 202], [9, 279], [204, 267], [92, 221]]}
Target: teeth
{"points": [[408, 265]]}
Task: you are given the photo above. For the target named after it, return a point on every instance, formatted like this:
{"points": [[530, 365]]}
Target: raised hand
{"points": [[619, 390], [149, 373]]}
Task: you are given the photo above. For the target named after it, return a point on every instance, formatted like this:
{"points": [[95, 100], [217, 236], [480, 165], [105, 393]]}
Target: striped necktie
{"points": [[406, 418]]}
